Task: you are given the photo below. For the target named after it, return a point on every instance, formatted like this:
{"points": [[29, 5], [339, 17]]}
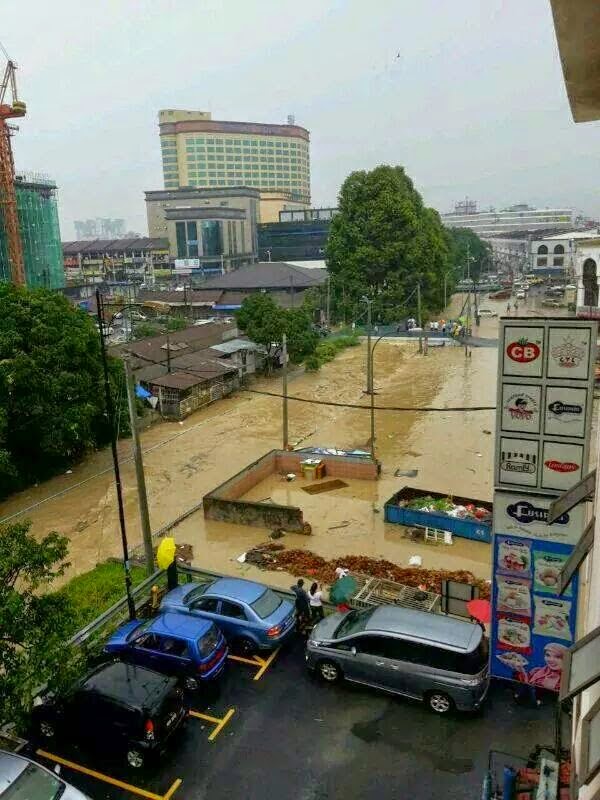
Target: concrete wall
{"points": [[258, 515], [224, 503]]}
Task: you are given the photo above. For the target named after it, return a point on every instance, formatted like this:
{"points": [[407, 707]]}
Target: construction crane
{"points": [[8, 195]]}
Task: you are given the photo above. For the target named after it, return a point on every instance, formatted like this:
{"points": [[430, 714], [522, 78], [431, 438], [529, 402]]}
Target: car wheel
{"points": [[439, 702], [46, 729], [191, 684], [135, 759], [329, 671], [244, 646]]}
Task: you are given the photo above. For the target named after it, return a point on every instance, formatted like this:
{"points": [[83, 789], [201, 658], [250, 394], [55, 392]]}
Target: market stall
{"points": [[462, 516]]}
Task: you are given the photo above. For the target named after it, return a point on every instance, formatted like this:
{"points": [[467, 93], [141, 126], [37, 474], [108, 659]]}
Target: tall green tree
{"points": [[51, 386], [470, 255], [33, 625], [382, 243], [265, 323]]}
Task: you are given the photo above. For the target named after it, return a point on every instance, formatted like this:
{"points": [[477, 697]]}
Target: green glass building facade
{"points": [[40, 235]]}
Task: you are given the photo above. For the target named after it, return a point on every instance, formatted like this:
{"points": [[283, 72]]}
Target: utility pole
{"points": [[328, 297], [285, 393], [110, 412], [419, 317], [139, 470], [468, 299], [369, 376], [168, 353], [372, 408]]}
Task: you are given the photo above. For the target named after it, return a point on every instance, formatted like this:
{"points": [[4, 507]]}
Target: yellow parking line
{"points": [[174, 786], [214, 720], [254, 662], [112, 781], [218, 722], [266, 664], [221, 725]]}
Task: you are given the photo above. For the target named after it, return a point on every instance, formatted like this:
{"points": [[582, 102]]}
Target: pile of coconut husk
{"points": [[304, 563]]}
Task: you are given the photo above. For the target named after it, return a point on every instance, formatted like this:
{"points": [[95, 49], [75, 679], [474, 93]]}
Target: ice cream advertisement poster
{"points": [[532, 626]]}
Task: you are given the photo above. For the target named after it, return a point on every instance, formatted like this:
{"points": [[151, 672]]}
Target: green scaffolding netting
{"points": [[40, 236]]}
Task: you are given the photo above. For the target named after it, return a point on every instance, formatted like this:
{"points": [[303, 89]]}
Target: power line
{"points": [[377, 408]]}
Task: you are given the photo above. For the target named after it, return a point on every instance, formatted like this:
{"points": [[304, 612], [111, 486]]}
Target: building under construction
{"points": [[40, 234]]}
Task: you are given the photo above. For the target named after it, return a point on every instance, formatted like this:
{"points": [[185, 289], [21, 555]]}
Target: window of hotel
{"points": [[559, 249], [558, 261]]}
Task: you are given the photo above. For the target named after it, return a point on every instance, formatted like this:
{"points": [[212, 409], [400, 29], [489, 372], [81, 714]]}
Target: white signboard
{"points": [[521, 514], [565, 411], [521, 408], [545, 389], [523, 349], [562, 465], [569, 353], [518, 464]]}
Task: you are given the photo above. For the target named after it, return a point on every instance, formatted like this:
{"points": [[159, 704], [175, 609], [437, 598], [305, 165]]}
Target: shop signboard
{"points": [[543, 423]]}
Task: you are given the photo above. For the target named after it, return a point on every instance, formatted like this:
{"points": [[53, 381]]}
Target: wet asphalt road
{"points": [[292, 738]]}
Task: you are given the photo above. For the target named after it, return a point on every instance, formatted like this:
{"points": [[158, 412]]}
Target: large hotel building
{"points": [[198, 151]]}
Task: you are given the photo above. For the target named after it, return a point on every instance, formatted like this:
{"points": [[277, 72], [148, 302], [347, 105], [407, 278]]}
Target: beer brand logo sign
{"points": [[523, 351], [561, 466], [525, 512]]}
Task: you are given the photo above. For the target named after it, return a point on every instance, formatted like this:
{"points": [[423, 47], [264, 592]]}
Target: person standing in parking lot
{"points": [[315, 599], [302, 606]]}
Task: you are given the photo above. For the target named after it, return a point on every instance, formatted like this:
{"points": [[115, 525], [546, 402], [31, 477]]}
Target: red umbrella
{"points": [[480, 610]]}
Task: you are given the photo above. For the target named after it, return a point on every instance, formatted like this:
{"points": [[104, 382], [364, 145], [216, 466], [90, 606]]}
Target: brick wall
{"points": [[335, 466]]}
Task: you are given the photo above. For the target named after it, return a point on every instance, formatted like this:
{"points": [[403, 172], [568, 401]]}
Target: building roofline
{"points": [[230, 126], [194, 192]]}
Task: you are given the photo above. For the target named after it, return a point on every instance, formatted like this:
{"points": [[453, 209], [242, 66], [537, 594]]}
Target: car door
{"points": [[374, 663], [173, 656], [207, 608], [145, 651], [233, 619], [80, 707]]}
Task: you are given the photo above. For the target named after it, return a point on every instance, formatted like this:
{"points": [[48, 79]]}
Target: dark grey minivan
{"points": [[440, 660]]}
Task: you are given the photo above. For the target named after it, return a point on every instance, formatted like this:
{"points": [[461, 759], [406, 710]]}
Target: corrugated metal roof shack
{"points": [[181, 393]]}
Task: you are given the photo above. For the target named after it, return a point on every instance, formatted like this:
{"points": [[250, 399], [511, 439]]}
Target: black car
{"points": [[118, 707]]}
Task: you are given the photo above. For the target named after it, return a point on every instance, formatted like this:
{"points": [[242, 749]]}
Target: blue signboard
{"points": [[532, 626]]}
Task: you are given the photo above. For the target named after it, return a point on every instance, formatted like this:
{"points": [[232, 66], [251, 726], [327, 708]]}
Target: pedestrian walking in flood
{"points": [[508, 309], [302, 607], [315, 598]]}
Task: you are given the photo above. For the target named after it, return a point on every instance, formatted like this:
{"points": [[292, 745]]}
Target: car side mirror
{"points": [[353, 650]]}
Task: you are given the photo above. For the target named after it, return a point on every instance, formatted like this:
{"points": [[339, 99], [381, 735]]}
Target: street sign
{"points": [[543, 425], [573, 496], [582, 548]]}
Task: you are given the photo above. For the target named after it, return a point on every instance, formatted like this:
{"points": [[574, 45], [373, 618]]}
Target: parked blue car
{"points": [[252, 616], [185, 646]]}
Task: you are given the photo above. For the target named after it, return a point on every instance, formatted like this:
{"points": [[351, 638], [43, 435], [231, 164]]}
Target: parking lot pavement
{"points": [[290, 737]]}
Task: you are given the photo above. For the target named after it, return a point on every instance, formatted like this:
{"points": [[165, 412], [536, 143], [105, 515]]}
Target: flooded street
{"points": [[452, 452]]}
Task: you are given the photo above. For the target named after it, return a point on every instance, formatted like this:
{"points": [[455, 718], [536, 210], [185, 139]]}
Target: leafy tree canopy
{"points": [[33, 625], [382, 243], [51, 386], [265, 323], [467, 248]]}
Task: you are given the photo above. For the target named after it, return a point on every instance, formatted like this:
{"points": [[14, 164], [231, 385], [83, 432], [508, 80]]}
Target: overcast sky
{"points": [[468, 96]]}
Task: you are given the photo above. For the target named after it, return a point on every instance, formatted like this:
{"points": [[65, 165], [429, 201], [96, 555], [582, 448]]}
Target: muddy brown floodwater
{"points": [[452, 452]]}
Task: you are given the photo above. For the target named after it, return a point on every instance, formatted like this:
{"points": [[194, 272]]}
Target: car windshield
{"points": [[266, 604], [353, 622], [34, 784], [208, 642], [196, 593]]}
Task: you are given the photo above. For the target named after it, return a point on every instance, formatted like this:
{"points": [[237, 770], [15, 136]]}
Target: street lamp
{"points": [[110, 411]]}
